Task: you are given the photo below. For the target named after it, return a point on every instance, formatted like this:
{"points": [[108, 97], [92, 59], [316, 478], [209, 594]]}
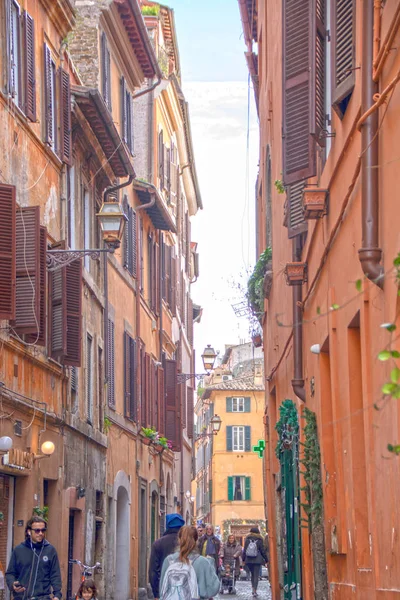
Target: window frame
{"points": [[14, 6], [242, 485], [238, 404], [238, 431], [89, 379]]}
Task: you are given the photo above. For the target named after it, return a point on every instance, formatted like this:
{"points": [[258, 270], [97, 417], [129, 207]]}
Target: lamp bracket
{"points": [[182, 377], [56, 259]]}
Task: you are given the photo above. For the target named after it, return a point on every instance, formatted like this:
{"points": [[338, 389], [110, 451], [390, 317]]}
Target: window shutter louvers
{"points": [[247, 438], [343, 53], [133, 371], [190, 322], [111, 365], [297, 224], [229, 405], [190, 413], [161, 399], [40, 338], [73, 294], [148, 391], [133, 232], [7, 251], [173, 429], [89, 379], [247, 405], [48, 113], [124, 128], [27, 317], [58, 321], [161, 159], [65, 118], [230, 488], [247, 489], [127, 212], [229, 443], [30, 75], [299, 152]]}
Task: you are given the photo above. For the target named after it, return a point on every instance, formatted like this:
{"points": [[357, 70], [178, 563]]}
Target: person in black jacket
{"points": [[210, 545], [254, 555], [34, 570], [167, 544]]}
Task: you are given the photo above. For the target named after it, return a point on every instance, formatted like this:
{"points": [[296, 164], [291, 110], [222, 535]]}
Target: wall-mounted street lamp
{"points": [[208, 357], [6, 443], [112, 222], [189, 496], [47, 449], [215, 423]]}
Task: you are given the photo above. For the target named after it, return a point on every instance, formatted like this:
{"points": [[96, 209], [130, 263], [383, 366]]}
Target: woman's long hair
{"points": [[188, 537]]}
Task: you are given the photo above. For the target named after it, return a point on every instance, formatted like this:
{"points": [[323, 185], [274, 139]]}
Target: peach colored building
{"points": [[326, 206]]}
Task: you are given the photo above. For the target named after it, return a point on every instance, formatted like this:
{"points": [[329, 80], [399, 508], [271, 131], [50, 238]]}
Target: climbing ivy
{"points": [[311, 461], [287, 426]]}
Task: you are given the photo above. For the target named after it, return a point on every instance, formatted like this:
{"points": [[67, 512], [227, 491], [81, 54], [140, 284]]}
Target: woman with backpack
{"points": [[186, 575], [254, 555]]}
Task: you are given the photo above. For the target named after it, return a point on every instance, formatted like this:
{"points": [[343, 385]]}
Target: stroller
{"points": [[227, 578]]}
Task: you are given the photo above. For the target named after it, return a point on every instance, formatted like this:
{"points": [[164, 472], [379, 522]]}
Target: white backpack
{"points": [[252, 549], [180, 581]]}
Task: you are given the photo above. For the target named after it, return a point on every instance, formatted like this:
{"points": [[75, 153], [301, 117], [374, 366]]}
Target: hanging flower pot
{"points": [[315, 203], [296, 273], [257, 340]]}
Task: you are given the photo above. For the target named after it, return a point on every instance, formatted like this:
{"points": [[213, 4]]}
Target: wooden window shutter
{"points": [[65, 118], [157, 277], [229, 441], [247, 438], [27, 315], [161, 399], [190, 413], [247, 405], [58, 321], [143, 385], [132, 125], [297, 224], [163, 269], [299, 151], [124, 130], [127, 374], [173, 429], [133, 372], [161, 158], [89, 378], [183, 390], [168, 161], [190, 322], [7, 251], [229, 405], [133, 233], [318, 122], [343, 53], [29, 67], [111, 364], [230, 488], [187, 250], [247, 489], [40, 338], [73, 294], [106, 71], [148, 390], [173, 282], [127, 241], [48, 98]]}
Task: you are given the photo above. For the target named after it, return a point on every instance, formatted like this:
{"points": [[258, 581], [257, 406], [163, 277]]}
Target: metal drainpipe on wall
{"points": [[298, 380]]}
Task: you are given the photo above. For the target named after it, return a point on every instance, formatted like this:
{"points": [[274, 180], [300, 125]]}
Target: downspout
{"points": [[369, 254], [298, 380], [148, 89]]}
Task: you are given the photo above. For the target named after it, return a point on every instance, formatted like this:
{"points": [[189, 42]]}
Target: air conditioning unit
{"points": [[226, 377]]}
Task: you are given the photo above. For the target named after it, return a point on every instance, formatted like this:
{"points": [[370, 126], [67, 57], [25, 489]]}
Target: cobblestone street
{"points": [[243, 591]]}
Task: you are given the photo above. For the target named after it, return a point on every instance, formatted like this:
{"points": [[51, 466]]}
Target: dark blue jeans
{"points": [[255, 574]]}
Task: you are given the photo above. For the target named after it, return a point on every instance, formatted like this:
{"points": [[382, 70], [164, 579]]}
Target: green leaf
{"points": [[389, 327], [318, 310], [395, 354], [395, 374], [396, 261], [389, 388], [396, 393], [384, 355], [359, 285], [335, 307], [394, 448]]}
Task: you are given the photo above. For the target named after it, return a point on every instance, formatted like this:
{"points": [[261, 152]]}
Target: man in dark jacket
{"points": [[167, 544], [254, 555], [34, 570]]}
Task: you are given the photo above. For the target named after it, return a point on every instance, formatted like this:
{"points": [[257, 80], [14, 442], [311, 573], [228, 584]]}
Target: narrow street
{"points": [[243, 591]]}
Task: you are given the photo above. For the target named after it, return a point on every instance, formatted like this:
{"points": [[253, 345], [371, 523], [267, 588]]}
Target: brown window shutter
{"points": [[173, 282], [133, 371], [74, 314], [157, 277], [124, 132], [299, 151], [183, 387], [161, 400], [163, 269], [58, 313], [48, 112], [65, 117], [143, 404], [190, 412], [173, 429], [126, 245], [127, 374], [111, 364], [161, 159], [168, 160], [30, 75], [343, 53], [7, 251], [154, 396], [28, 270], [318, 124], [133, 232], [41, 338], [297, 224], [148, 390], [190, 321]]}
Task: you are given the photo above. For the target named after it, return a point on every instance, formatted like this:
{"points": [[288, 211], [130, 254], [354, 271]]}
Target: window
{"points": [[239, 488], [15, 67], [238, 439], [238, 404], [50, 99], [105, 71], [74, 389], [89, 378], [130, 238], [86, 226], [111, 365], [130, 407], [71, 209], [126, 115], [343, 54]]}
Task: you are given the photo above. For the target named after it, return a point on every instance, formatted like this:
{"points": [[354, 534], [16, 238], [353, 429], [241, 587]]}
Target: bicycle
{"points": [[87, 572]]}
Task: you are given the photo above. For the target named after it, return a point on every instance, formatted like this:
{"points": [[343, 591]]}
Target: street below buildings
{"points": [[243, 591]]}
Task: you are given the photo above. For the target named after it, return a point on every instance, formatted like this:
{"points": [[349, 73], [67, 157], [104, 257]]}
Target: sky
{"points": [[215, 83]]}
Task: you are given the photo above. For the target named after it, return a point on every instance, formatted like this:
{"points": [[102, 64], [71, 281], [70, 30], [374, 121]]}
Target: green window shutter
{"points": [[247, 438], [210, 490], [247, 405], [247, 489], [230, 488], [229, 405], [229, 438]]}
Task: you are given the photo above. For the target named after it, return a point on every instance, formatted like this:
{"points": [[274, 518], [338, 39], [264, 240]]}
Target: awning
{"points": [[158, 213], [100, 121]]}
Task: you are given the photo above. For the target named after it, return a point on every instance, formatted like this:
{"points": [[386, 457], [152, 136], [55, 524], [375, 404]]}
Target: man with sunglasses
{"points": [[34, 571]]}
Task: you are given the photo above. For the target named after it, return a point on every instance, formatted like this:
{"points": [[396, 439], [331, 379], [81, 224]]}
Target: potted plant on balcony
{"points": [[315, 203], [149, 435], [256, 283], [296, 273], [256, 338]]}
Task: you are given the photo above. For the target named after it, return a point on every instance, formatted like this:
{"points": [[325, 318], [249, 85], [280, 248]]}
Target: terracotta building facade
{"points": [[325, 81]]}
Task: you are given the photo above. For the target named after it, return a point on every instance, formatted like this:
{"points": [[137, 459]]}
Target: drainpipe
{"points": [[148, 89], [369, 254], [298, 381]]}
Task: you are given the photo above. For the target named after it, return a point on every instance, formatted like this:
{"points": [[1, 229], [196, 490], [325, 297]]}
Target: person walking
{"points": [[230, 553], [210, 545], [254, 555], [161, 548], [186, 575], [34, 570]]}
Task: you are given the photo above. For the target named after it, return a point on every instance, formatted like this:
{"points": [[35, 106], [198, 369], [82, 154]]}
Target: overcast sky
{"points": [[215, 83]]}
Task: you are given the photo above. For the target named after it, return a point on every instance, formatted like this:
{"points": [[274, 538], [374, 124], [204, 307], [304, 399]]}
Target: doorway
{"points": [[143, 533], [122, 545]]}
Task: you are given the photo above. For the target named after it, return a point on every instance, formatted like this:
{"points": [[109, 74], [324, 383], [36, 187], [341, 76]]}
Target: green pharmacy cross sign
{"points": [[260, 448]]}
